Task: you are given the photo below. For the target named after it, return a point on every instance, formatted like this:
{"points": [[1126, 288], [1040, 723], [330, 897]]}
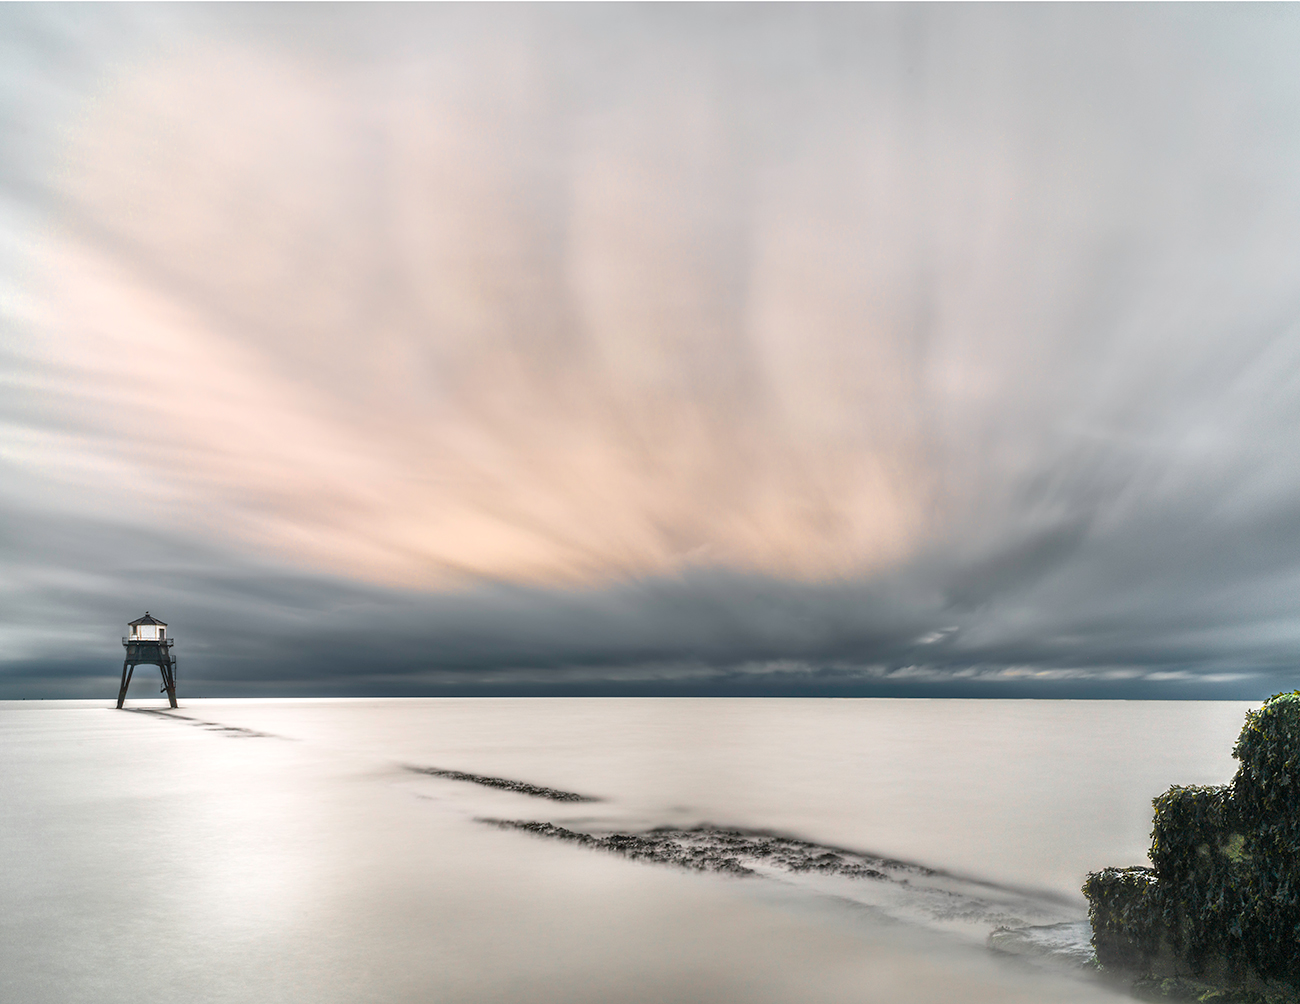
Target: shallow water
{"points": [[284, 851]]}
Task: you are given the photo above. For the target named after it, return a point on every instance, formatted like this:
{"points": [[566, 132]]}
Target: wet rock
{"points": [[900, 890], [505, 784], [1062, 943], [710, 849]]}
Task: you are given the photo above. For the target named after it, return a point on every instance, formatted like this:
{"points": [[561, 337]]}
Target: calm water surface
{"points": [[281, 851]]}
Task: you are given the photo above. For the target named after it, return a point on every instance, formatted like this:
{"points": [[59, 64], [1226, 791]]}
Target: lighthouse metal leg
{"points": [[127, 671], [169, 682]]}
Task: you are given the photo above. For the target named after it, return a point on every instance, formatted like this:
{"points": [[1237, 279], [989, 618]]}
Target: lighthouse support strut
{"points": [[169, 681], [128, 669], [166, 665]]}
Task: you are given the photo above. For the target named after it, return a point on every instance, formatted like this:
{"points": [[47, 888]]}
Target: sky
{"points": [[837, 350]]}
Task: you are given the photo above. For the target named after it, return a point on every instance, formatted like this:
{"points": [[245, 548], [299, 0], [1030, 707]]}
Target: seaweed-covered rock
{"points": [[1188, 988], [1268, 780], [1126, 917], [1222, 901]]}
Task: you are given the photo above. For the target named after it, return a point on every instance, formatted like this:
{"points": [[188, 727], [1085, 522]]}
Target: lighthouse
{"points": [[146, 643]]}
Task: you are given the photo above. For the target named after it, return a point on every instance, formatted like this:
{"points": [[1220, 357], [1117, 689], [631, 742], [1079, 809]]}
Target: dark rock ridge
{"points": [[733, 852], [657, 847], [1028, 923], [1218, 916], [505, 784], [710, 849]]}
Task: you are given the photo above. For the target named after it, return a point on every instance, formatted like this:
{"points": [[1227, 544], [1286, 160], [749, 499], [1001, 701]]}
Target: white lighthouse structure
{"points": [[147, 643]]}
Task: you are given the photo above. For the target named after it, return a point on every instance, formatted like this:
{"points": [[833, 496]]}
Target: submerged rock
{"points": [[1217, 917], [1065, 943]]}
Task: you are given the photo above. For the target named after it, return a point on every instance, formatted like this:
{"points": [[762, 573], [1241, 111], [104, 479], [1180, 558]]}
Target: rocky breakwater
{"points": [[1218, 916]]}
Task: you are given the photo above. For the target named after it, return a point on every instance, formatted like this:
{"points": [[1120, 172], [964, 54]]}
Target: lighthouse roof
{"points": [[146, 619]]}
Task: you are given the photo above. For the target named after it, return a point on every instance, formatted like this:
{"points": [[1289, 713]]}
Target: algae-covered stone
{"points": [[1266, 878], [1125, 911], [1185, 988], [1269, 750], [1199, 849], [1223, 898], [1191, 825]]}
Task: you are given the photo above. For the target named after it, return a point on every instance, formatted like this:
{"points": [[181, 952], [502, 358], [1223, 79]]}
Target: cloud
{"points": [[787, 347]]}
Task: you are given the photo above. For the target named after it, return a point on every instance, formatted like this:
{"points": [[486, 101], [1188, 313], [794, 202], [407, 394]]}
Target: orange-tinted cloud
{"points": [[419, 324]]}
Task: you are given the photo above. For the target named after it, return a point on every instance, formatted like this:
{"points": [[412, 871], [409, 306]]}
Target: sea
{"points": [[576, 849]]}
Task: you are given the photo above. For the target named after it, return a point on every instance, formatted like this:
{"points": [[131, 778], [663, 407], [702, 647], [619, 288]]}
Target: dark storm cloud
{"points": [[725, 349], [249, 629]]}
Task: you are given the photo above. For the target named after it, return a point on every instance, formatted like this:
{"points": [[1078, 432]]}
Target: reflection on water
{"points": [[282, 851]]}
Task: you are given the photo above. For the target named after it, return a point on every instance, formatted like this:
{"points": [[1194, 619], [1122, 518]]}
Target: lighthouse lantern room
{"points": [[146, 643]]}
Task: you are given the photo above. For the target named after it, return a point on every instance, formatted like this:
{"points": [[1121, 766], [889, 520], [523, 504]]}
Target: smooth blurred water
{"points": [[156, 859]]}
